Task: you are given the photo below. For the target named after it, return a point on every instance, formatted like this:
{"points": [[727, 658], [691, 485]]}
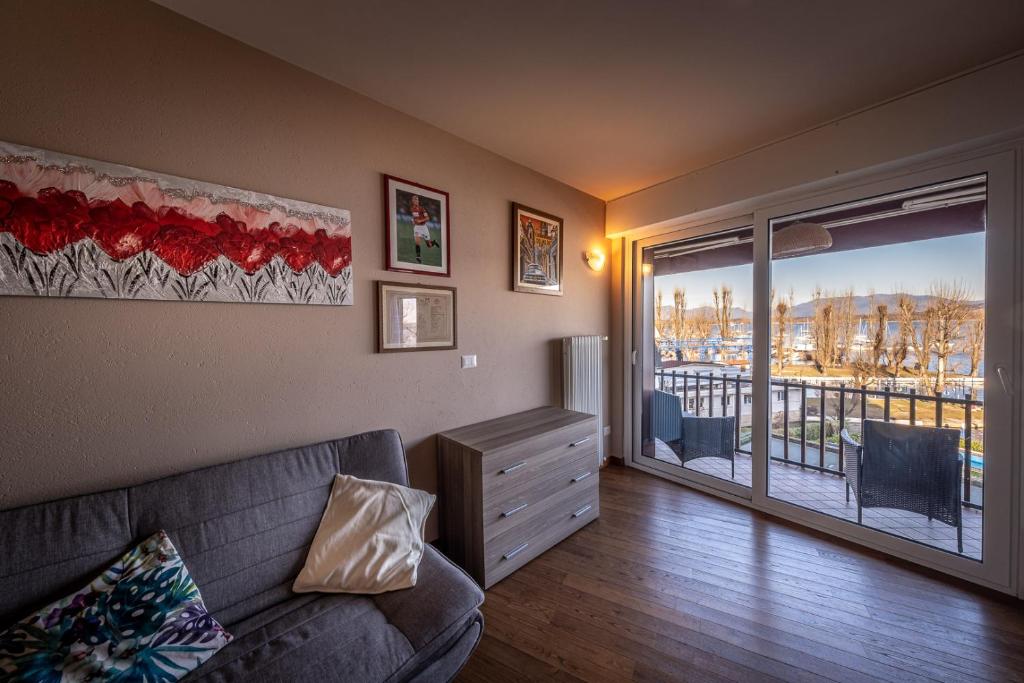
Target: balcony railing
{"points": [[728, 389]]}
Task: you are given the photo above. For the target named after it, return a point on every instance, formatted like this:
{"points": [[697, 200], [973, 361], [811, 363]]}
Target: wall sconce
{"points": [[595, 259]]}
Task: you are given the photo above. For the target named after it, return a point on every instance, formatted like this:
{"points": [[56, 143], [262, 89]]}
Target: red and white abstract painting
{"points": [[75, 227]]}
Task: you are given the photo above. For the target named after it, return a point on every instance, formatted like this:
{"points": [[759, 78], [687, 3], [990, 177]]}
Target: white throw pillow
{"points": [[370, 539]]}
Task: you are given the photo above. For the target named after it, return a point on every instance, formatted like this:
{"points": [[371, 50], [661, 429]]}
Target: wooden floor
{"points": [[674, 585]]}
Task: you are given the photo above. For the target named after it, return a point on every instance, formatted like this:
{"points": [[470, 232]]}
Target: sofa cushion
{"points": [[328, 638], [245, 527], [370, 539], [443, 596], [435, 613], [50, 549], [141, 619], [342, 637]]}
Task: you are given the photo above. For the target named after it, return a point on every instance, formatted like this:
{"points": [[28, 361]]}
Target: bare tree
{"points": [[905, 334], [723, 310], [879, 334], [824, 330], [950, 303], [702, 322], [846, 324], [863, 372], [679, 318], [921, 334], [783, 315], [900, 348], [975, 342], [660, 320]]}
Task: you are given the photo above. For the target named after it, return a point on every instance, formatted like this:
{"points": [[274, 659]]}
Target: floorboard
{"points": [[671, 584]]}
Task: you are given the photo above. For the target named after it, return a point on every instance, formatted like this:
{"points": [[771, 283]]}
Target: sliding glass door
{"points": [[695, 321], [845, 360]]}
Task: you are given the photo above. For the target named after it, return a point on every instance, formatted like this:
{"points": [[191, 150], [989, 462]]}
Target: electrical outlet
{"points": [[469, 361]]}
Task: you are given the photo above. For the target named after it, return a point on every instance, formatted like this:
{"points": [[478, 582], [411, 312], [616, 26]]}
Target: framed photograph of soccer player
{"points": [[415, 317], [536, 251], [417, 236]]}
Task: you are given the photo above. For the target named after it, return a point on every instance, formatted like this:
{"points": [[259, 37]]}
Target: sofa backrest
{"points": [[242, 528]]}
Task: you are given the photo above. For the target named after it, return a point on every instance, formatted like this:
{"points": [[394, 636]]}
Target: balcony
{"points": [[802, 474]]}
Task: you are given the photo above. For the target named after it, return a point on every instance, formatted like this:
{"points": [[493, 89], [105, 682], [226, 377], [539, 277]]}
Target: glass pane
{"points": [[877, 397], [697, 317]]}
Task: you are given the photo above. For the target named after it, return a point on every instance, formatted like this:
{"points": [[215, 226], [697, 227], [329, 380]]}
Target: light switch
{"points": [[469, 361]]}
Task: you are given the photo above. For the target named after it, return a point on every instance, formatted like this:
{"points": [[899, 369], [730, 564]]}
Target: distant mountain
{"points": [[863, 305]]}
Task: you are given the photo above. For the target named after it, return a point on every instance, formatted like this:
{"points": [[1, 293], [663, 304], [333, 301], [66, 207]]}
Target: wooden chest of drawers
{"points": [[514, 486]]}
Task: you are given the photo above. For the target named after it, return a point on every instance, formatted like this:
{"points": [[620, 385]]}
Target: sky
{"points": [[911, 267]]}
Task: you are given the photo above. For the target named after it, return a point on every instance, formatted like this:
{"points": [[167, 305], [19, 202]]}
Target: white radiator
{"points": [[582, 384]]}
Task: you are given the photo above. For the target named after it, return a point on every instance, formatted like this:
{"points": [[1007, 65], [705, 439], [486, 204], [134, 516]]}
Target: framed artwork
{"points": [[74, 227], [416, 317], [536, 251], [417, 233]]}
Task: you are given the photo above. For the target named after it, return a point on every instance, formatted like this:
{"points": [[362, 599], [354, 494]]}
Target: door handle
{"points": [[1005, 380], [581, 477], [513, 468], [577, 443]]}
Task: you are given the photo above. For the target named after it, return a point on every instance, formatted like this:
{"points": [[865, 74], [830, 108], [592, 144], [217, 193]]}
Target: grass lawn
{"points": [[407, 245]]}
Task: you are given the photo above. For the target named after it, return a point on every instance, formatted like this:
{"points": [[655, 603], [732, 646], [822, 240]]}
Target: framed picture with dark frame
{"points": [[536, 251], [417, 231], [416, 317]]}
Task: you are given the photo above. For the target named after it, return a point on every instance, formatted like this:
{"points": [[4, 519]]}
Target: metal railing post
{"points": [[821, 426], [913, 406], [863, 409], [938, 408], [967, 447], [803, 422], [739, 410], [785, 419], [842, 420]]}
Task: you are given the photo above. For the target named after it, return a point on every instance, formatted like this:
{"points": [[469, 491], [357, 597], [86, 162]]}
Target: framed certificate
{"points": [[415, 317]]}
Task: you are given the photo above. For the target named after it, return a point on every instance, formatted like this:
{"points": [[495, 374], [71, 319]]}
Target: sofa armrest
{"points": [[444, 597]]}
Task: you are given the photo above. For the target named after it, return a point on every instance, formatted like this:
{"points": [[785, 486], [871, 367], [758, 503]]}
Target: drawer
{"points": [[505, 508], [514, 548], [509, 466]]}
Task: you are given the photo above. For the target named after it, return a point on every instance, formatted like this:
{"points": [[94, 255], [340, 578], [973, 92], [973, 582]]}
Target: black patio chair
{"points": [[910, 468], [691, 437]]}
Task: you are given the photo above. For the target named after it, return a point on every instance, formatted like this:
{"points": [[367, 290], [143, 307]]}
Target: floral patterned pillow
{"points": [[141, 620]]}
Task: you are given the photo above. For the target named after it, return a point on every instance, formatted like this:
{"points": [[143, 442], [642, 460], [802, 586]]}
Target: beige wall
{"points": [[98, 394]]}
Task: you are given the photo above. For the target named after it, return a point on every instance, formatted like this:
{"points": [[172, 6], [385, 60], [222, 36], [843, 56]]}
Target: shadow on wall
{"points": [[555, 371]]}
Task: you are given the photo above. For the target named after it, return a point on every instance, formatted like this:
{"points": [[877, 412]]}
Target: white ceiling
{"points": [[612, 96]]}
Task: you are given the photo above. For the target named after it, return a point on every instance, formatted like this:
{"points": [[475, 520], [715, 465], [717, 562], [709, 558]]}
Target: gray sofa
{"points": [[243, 530]]}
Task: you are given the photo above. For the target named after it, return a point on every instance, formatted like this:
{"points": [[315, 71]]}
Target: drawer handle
{"points": [[582, 511], [574, 444], [581, 477], [513, 468], [515, 551], [517, 508]]}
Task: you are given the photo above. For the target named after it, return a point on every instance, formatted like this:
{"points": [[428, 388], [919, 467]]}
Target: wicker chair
{"points": [[691, 437], [909, 468]]}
